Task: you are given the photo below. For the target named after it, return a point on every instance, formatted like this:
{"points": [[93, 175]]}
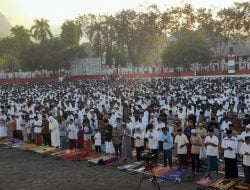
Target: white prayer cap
{"points": [[248, 126], [193, 131]]}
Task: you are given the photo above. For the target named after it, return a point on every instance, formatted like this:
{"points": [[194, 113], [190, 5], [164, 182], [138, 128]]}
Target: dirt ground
{"points": [[20, 170]]}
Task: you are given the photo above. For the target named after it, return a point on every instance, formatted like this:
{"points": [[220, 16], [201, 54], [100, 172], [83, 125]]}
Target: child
{"points": [[98, 141]]}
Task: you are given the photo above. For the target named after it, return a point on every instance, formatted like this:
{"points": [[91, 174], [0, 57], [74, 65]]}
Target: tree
{"points": [[71, 33], [9, 61], [51, 55], [229, 24], [191, 48], [41, 30]]}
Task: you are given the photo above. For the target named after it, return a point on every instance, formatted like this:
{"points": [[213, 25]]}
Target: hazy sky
{"points": [[23, 12]]}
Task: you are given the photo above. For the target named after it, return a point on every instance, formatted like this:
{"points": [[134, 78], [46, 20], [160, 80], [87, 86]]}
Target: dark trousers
{"points": [[168, 157], [247, 174], [118, 149], [231, 169], [72, 143], [195, 162], [138, 152], [98, 149], [15, 134], [19, 134], [47, 139], [160, 146], [183, 160], [155, 152]]}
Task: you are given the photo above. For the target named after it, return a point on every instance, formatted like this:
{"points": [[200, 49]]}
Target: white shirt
{"points": [[18, 124], [152, 139], [159, 127], [181, 140], [246, 158], [38, 126], [229, 142], [97, 137], [243, 135], [212, 151], [225, 125], [139, 142], [72, 131]]}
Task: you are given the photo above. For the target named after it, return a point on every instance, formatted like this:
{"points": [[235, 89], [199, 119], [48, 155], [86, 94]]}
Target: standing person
{"points": [[63, 133], [126, 144], [38, 130], [98, 141], [139, 142], [108, 137], [72, 134], [93, 129], [87, 137], [202, 132], [54, 131], [3, 128], [196, 143], [153, 144], [167, 140], [117, 140], [211, 142], [28, 126], [181, 143], [229, 145], [80, 138], [159, 125], [46, 131], [245, 151], [19, 127]]}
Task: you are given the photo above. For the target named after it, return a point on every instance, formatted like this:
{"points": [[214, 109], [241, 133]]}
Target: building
{"points": [[86, 66]]}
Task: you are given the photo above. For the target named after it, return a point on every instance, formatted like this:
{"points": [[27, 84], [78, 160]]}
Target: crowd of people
{"points": [[194, 119]]}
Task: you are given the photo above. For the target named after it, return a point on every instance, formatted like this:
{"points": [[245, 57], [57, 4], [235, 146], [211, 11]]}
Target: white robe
{"points": [[3, 128], [55, 134]]}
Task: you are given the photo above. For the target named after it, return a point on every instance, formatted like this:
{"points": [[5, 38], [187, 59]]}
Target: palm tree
{"points": [[41, 30]]}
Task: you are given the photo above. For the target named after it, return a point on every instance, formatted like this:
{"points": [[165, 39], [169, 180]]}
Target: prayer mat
{"points": [[174, 174], [26, 146], [52, 151], [160, 170], [221, 183], [203, 182], [133, 165], [4, 140], [241, 186], [96, 160], [112, 160], [92, 155], [13, 143], [45, 149], [71, 155], [58, 154], [36, 148], [136, 171]]}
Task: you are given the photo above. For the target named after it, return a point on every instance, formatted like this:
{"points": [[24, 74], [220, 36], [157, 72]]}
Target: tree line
{"points": [[179, 36]]}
